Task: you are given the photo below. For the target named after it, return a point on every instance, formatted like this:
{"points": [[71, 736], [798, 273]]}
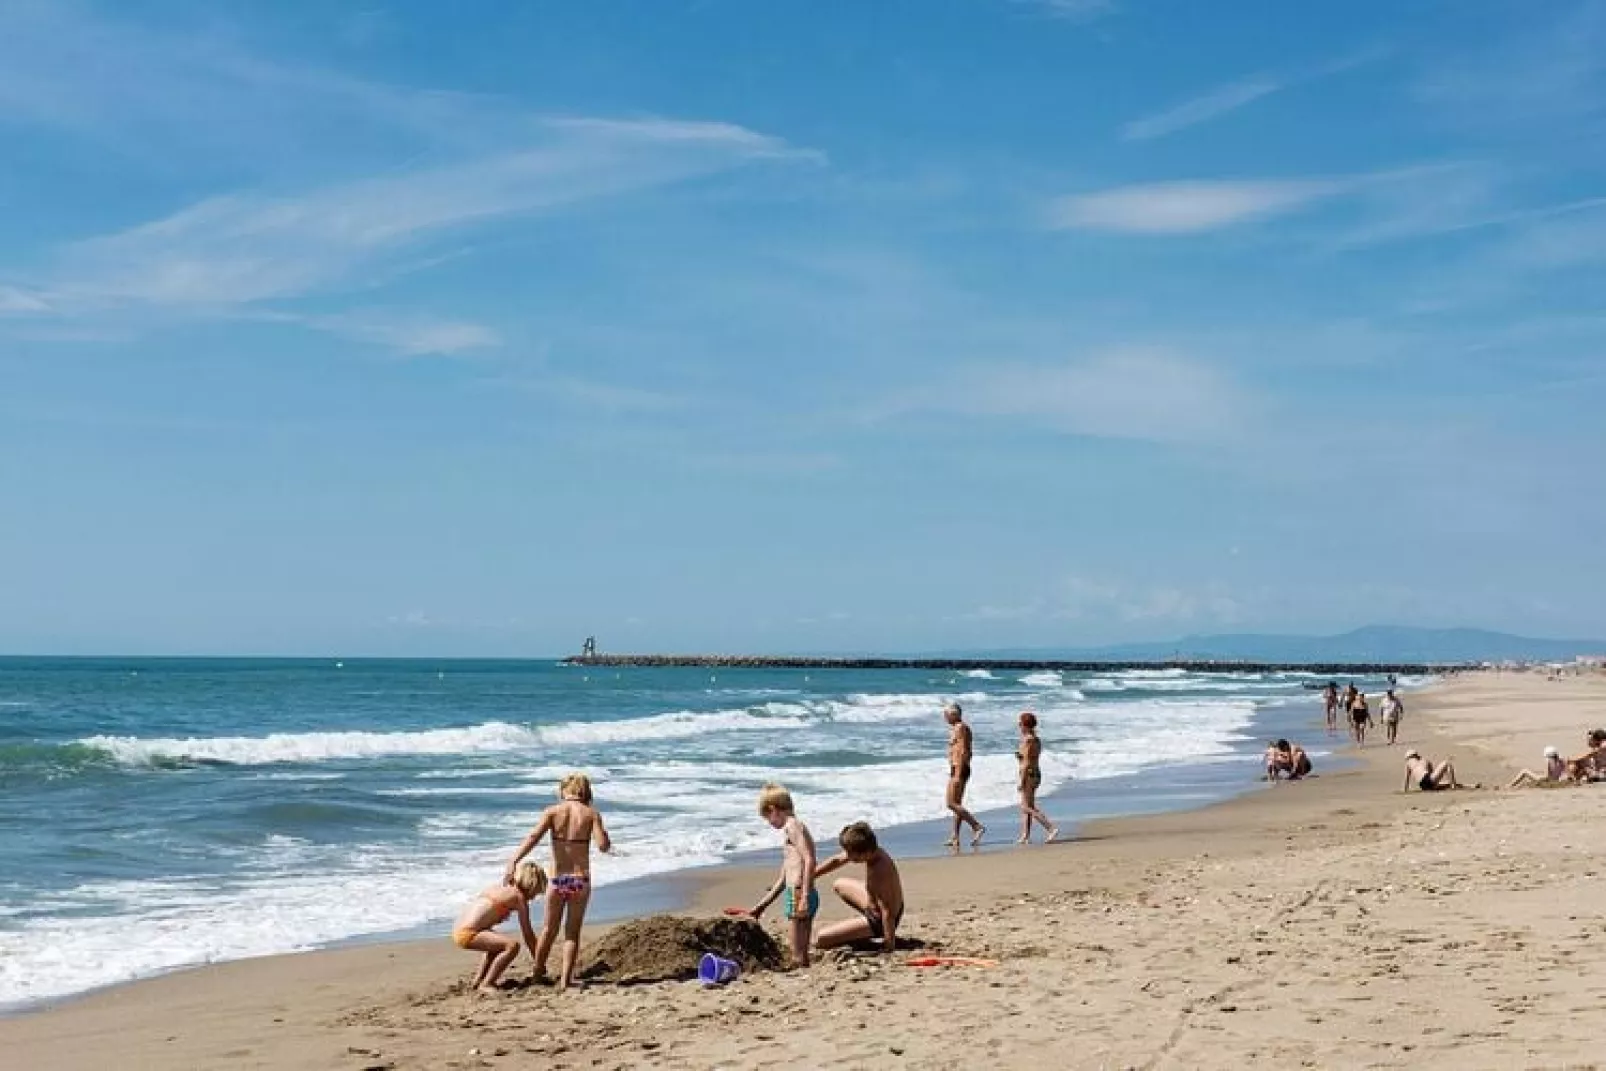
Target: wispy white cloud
{"points": [[1188, 207], [246, 248], [1546, 75], [1380, 206], [1228, 98], [1073, 10], [191, 96], [1563, 239], [684, 132], [1220, 101], [408, 334], [18, 301], [195, 97], [1145, 394], [1103, 599], [590, 393]]}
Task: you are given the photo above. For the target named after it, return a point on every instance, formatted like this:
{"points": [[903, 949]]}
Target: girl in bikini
{"points": [[574, 825], [1031, 778], [475, 926]]}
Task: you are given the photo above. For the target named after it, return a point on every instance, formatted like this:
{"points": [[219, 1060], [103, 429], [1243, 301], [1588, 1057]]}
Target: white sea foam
{"points": [[672, 799], [1047, 679], [489, 738], [874, 709], [316, 747], [673, 726], [145, 927], [978, 674], [499, 737]]}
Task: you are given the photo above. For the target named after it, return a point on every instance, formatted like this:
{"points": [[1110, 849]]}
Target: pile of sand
{"points": [[665, 948]]}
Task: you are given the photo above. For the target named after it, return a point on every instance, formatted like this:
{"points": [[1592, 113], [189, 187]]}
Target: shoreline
{"points": [[1192, 784], [1293, 850]]}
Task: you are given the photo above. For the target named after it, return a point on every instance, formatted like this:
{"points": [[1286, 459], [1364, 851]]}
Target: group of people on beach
{"points": [[1286, 761], [575, 826], [1352, 704], [1029, 778], [1289, 761], [1588, 767]]}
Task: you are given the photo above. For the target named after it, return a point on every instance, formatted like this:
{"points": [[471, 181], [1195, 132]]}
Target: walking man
{"points": [[1392, 709], [960, 749]]}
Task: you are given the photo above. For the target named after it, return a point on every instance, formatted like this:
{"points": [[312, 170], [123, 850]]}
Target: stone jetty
{"points": [[718, 661]]}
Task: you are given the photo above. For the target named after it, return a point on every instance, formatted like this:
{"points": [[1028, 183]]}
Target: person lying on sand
{"points": [[878, 898], [797, 870], [1555, 772], [574, 825], [1591, 765], [1286, 760], [1426, 776], [474, 929]]}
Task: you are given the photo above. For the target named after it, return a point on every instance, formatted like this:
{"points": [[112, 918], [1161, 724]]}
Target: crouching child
{"points": [[878, 898]]}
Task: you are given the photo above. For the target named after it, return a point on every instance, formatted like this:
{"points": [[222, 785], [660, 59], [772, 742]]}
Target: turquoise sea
{"points": [[157, 813]]}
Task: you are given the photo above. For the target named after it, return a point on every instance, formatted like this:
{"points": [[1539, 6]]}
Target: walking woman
{"points": [[1031, 778]]}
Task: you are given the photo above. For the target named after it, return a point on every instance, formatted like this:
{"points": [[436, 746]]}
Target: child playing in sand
{"points": [[879, 897], [1286, 760], [797, 870], [1555, 772], [474, 929], [575, 825]]}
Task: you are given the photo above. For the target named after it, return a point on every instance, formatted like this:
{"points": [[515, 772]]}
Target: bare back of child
{"points": [[574, 826], [878, 898]]}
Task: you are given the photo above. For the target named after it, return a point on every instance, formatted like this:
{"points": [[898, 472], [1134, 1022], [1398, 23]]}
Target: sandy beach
{"points": [[1333, 923]]}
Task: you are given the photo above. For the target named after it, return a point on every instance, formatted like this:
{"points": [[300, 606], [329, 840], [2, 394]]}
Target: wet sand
{"points": [[1333, 923]]}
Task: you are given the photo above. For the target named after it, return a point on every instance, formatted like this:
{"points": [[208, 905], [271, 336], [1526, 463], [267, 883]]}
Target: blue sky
{"points": [[713, 324]]}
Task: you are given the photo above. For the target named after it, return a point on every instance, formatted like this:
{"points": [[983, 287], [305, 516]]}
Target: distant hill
{"points": [[1374, 643]]}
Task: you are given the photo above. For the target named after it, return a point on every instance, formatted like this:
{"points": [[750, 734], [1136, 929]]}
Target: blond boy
{"points": [[796, 879]]}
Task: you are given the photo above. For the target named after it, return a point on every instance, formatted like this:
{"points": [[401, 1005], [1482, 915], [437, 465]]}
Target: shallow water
{"points": [[156, 813]]}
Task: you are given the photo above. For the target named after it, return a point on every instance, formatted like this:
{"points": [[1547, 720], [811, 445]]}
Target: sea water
{"points": [[158, 813]]}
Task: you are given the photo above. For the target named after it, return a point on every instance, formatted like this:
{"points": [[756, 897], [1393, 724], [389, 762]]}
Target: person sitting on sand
{"points": [[878, 898], [961, 748], [574, 825], [475, 931], [1031, 779], [1591, 765], [1555, 772], [1426, 776], [1286, 760], [797, 870]]}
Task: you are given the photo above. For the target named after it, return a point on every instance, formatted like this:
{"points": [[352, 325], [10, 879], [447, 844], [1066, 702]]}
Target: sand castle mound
{"points": [[665, 948]]}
